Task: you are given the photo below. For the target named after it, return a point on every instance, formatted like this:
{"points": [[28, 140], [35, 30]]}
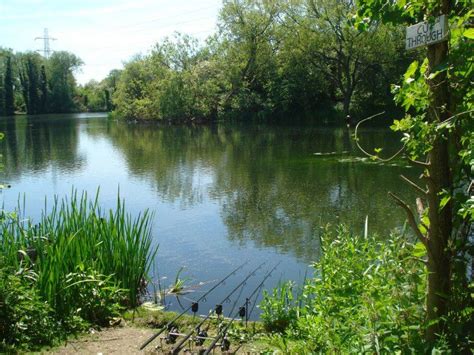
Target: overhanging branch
{"points": [[372, 156]]}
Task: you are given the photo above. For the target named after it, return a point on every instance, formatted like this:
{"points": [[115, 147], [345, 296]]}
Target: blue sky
{"points": [[103, 33]]}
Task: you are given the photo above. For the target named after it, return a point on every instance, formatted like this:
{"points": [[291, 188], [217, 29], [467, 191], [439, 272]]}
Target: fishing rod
{"points": [[241, 312], [217, 310], [194, 306]]}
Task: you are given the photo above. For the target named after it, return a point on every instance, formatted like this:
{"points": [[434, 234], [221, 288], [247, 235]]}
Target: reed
{"points": [[78, 247]]}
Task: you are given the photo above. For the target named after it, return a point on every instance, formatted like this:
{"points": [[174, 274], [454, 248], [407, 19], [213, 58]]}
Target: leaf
{"points": [[419, 250], [444, 201], [150, 306], [411, 71], [469, 33]]}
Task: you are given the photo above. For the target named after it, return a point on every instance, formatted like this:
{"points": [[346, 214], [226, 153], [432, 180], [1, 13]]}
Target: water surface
{"points": [[221, 194]]}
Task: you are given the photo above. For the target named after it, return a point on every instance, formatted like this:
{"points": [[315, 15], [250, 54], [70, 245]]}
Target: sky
{"points": [[103, 33]]}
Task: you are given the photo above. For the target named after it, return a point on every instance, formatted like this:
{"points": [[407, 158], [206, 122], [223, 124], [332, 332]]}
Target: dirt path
{"points": [[126, 340], [120, 340]]}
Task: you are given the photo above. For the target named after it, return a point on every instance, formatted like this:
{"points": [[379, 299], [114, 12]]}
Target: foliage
{"points": [[25, 318], [366, 296], [97, 96], [33, 84], [97, 295], [9, 108], [438, 127], [62, 83], [344, 55], [279, 310], [179, 284], [268, 59], [82, 264]]}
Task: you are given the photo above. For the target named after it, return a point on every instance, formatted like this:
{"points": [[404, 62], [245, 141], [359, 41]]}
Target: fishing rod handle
{"points": [[154, 336], [178, 346]]}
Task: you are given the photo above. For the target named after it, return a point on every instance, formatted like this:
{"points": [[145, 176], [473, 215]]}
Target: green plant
{"points": [[79, 265], [436, 94], [178, 287], [77, 232], [97, 295], [279, 309], [366, 296], [25, 318]]}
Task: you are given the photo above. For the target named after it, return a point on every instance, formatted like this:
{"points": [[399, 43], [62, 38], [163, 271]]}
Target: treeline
{"points": [[268, 58], [32, 84], [96, 96]]}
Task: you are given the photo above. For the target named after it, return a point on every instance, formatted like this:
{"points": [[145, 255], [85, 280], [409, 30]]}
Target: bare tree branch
{"points": [[376, 157], [412, 184], [419, 163], [411, 218], [453, 116], [420, 209]]}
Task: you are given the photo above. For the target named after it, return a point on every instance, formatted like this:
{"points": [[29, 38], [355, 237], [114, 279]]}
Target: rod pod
{"points": [[178, 347], [243, 311], [192, 306]]}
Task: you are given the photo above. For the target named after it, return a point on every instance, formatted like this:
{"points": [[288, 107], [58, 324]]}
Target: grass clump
{"points": [[367, 295], [77, 266]]}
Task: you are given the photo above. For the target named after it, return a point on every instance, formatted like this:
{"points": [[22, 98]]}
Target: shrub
{"points": [[367, 295], [25, 318], [97, 295]]}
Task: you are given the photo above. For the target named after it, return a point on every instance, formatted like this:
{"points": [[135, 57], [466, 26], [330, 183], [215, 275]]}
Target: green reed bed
{"points": [[82, 262]]}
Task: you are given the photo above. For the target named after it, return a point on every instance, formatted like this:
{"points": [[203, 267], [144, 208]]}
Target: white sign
{"points": [[425, 33]]}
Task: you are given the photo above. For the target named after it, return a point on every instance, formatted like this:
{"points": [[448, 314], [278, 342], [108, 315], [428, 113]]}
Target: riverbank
{"points": [[135, 327], [77, 268]]}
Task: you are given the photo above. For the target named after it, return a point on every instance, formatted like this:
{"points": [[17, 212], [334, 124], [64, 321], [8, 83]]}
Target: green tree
{"points": [[61, 67], [137, 95], [43, 86], [29, 70], [247, 29], [93, 97], [438, 134], [9, 99], [344, 56]]}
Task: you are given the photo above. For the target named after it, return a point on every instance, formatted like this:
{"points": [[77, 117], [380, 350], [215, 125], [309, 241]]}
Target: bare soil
{"points": [[118, 340], [127, 339]]}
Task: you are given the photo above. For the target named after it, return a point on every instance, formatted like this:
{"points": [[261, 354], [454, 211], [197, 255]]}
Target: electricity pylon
{"points": [[46, 49]]}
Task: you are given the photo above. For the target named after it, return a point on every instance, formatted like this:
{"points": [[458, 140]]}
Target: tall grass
{"points": [[77, 251]]}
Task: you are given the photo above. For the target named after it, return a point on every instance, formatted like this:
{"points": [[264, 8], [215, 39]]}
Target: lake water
{"points": [[221, 194]]}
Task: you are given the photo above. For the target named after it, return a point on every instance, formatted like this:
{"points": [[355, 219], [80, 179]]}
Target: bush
{"points": [[367, 295], [97, 295], [25, 318]]}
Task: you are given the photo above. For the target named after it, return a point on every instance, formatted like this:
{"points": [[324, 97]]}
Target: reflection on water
{"points": [[221, 194]]}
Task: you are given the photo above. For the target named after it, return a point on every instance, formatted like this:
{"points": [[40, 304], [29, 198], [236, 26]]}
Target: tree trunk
{"points": [[346, 105], [439, 179]]}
